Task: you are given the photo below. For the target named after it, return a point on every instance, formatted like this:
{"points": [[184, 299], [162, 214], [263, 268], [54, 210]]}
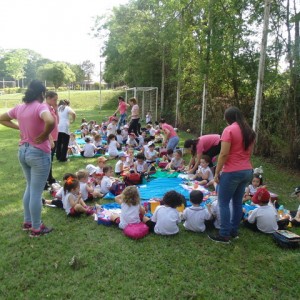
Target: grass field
{"points": [[83, 260]]}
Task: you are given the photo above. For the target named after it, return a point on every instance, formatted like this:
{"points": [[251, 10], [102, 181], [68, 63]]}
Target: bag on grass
{"points": [[162, 152], [117, 188], [151, 170], [136, 231], [286, 239], [162, 164], [133, 179]]}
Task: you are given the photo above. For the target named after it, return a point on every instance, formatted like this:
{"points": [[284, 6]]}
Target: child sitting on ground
{"points": [[264, 218], [129, 159], [112, 127], [177, 163], [151, 129], [119, 138], [72, 200], [196, 215], [140, 165], [119, 168], [107, 180], [88, 149], [73, 147], [131, 210], [131, 141], [86, 188], [168, 157], [113, 146], [257, 182], [98, 143], [204, 174], [166, 218], [151, 154]]}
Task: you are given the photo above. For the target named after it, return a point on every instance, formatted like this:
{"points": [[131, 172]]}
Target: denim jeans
{"points": [[173, 142], [36, 166], [232, 187], [122, 120]]}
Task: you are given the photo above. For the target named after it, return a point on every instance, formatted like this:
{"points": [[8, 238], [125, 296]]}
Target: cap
{"points": [[101, 159], [296, 191], [126, 126], [122, 154], [261, 195], [91, 169], [150, 143]]}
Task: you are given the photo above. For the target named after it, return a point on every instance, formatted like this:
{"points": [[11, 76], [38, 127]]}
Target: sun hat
{"points": [[261, 195], [91, 169], [297, 190], [102, 159]]}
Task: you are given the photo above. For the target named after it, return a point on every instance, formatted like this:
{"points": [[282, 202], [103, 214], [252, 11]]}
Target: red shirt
{"points": [[205, 142], [170, 128], [122, 107]]}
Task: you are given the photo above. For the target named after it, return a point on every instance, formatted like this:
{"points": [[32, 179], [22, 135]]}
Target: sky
{"points": [[56, 29]]}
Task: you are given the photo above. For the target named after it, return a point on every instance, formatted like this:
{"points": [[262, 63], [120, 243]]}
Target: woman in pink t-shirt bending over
{"points": [[233, 172], [35, 123], [171, 138]]}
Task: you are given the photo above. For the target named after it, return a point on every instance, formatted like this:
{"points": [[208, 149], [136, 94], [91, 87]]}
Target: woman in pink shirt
{"points": [[171, 138], [135, 117], [122, 108], [35, 123], [209, 144], [233, 172]]}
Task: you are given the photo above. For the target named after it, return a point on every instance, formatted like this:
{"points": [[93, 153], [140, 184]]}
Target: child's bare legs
{"points": [[114, 216], [97, 194]]}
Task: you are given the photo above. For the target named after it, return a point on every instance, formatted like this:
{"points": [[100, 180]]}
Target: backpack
{"points": [[133, 179], [286, 239], [117, 188]]}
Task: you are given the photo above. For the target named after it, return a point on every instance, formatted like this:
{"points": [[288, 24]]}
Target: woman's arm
{"points": [[6, 120], [72, 114], [225, 149], [196, 163]]}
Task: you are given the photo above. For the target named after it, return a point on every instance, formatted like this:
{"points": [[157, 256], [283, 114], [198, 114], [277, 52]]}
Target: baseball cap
{"points": [[101, 159], [261, 195], [296, 191], [91, 169]]}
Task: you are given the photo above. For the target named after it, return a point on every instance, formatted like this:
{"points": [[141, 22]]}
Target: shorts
{"points": [[151, 225], [74, 213]]}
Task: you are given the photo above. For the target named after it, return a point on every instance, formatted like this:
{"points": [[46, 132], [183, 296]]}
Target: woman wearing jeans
{"points": [[171, 139], [122, 108], [35, 125], [233, 172]]}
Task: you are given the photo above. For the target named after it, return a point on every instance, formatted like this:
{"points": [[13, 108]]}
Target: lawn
{"points": [[83, 260]]}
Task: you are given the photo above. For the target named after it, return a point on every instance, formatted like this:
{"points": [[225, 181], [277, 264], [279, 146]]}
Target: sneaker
{"points": [[219, 239], [43, 201], [235, 236], [26, 226], [43, 230], [90, 212]]}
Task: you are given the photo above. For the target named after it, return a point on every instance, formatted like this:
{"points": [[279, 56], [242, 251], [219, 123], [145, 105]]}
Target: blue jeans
{"points": [[122, 120], [173, 142], [232, 186], [36, 166]]}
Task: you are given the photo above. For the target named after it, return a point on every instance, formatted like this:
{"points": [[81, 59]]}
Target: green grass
{"points": [[83, 260]]}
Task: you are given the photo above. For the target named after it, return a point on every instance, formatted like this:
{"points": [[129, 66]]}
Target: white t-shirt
{"points": [[252, 189], [66, 202], [131, 142], [119, 138], [60, 193], [64, 122], [129, 215], [89, 150], [194, 217], [215, 210], [141, 167], [118, 166], [112, 148], [129, 162], [148, 118], [111, 129], [167, 219], [106, 183], [151, 155], [204, 170], [152, 131], [83, 191], [141, 140], [265, 218], [176, 163]]}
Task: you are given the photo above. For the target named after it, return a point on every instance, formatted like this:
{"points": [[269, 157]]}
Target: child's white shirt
{"points": [[128, 162], [89, 150], [66, 203], [141, 168], [141, 140], [83, 191], [167, 219], [204, 170], [119, 138], [131, 142], [252, 189], [176, 163], [98, 144], [152, 131], [111, 129], [129, 215], [60, 193], [112, 148], [265, 218], [151, 155], [106, 183], [148, 118], [194, 217], [124, 134], [118, 166]]}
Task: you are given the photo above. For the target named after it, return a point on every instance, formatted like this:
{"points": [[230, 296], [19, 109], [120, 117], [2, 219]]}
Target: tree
{"points": [[58, 73], [79, 73], [88, 68]]}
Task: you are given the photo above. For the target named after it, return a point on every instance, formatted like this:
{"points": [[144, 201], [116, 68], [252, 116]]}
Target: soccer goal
{"points": [[147, 98]]}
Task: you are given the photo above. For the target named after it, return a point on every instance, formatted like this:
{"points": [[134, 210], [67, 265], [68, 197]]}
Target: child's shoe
{"points": [[90, 211], [26, 226], [42, 231]]}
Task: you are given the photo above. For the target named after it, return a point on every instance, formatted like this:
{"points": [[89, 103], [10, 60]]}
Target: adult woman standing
{"points": [[122, 108], [51, 100], [35, 125], [135, 117], [64, 114], [209, 144], [233, 172], [171, 139]]}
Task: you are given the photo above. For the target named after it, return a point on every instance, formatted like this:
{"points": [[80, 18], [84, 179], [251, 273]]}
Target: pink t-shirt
{"points": [[30, 123], [122, 107], [205, 142], [135, 112], [170, 128], [54, 132], [238, 158]]}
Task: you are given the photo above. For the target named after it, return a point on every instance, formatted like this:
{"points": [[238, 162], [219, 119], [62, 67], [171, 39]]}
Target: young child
{"points": [[119, 168], [264, 218], [168, 157], [106, 181], [119, 137], [148, 117], [113, 145], [84, 129], [257, 182], [129, 159], [177, 162], [131, 210], [124, 133], [204, 174], [86, 188], [151, 130], [72, 200], [166, 218], [131, 141], [151, 154], [140, 165], [112, 127], [98, 141], [141, 139], [73, 147], [296, 214], [88, 149], [196, 215], [103, 132], [101, 163]]}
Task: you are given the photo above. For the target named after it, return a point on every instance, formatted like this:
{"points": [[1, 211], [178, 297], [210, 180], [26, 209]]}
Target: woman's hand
{"points": [[41, 138], [217, 178]]}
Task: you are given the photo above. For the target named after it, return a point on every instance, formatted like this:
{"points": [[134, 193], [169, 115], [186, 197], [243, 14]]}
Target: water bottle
{"points": [[280, 211]]}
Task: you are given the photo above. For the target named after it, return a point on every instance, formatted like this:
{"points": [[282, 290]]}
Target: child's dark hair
{"points": [[51, 94], [87, 140], [151, 138], [196, 197], [106, 169], [173, 199], [110, 137], [70, 184], [258, 176], [206, 158], [67, 175], [147, 139], [170, 151], [179, 152], [119, 131], [140, 156]]}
